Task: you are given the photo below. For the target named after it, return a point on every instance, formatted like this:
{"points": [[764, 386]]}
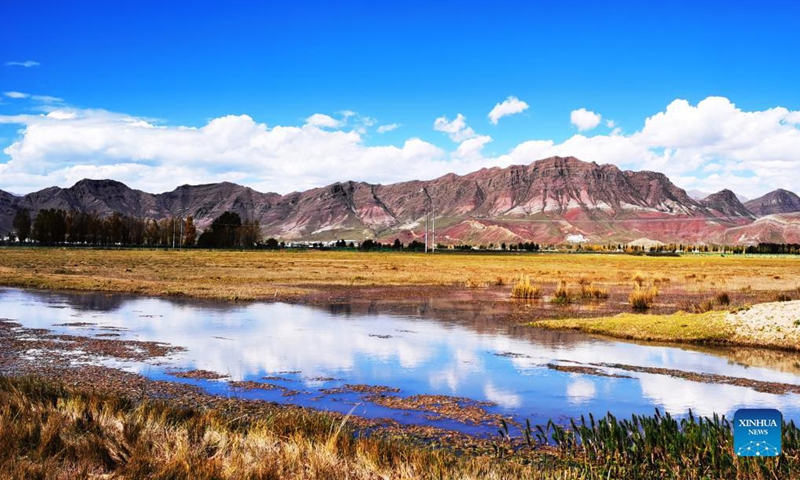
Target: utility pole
{"points": [[433, 219], [430, 210], [426, 230], [173, 233]]}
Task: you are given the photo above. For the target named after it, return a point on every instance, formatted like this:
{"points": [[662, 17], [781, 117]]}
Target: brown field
{"points": [[309, 275], [559, 289]]}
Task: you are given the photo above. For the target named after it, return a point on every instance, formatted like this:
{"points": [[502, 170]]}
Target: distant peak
{"points": [[105, 182]]}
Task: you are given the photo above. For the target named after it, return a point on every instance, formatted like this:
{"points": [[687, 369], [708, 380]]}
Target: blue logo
{"points": [[757, 432]]}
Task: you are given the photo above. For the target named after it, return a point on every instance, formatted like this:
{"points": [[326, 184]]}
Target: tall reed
{"points": [[525, 290], [642, 298]]}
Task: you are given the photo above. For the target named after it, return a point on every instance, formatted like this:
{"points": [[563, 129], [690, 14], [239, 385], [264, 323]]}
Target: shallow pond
{"points": [[308, 353]]}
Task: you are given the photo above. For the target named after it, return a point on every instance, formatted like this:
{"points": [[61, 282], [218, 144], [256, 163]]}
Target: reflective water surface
{"points": [[454, 352]]}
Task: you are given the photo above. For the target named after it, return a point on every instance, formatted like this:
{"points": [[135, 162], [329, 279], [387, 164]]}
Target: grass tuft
{"points": [[592, 292], [642, 298], [561, 294], [525, 290]]}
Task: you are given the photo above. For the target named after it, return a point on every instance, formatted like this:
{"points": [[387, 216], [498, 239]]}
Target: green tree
{"points": [[22, 224]]}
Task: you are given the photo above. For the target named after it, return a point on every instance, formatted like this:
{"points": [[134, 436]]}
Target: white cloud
{"points": [[456, 129], [388, 128], [61, 115], [611, 123], [46, 99], [26, 64], [16, 95], [585, 119], [510, 106], [471, 149], [752, 152], [322, 120], [67, 145]]}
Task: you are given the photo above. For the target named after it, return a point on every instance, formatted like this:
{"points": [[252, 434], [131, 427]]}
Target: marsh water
{"points": [[423, 348]]}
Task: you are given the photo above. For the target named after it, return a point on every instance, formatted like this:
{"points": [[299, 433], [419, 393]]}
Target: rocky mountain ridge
{"points": [[547, 201]]}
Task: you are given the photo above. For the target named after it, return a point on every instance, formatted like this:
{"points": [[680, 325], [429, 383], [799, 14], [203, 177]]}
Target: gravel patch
{"points": [[775, 324]]}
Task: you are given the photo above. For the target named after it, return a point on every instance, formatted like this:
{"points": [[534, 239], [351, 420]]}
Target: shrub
{"points": [[782, 297], [642, 298]]}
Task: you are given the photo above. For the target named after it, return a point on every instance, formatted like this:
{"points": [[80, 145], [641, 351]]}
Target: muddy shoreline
{"points": [[65, 361]]}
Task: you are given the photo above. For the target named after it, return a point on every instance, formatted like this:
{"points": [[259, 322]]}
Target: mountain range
{"points": [[548, 201]]}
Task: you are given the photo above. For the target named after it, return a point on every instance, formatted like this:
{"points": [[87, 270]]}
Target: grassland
{"points": [[301, 275], [772, 325], [50, 431], [696, 284], [709, 327]]}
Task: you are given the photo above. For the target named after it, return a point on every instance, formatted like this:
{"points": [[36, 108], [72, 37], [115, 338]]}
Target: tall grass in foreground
{"points": [[525, 290], [48, 431], [660, 446]]}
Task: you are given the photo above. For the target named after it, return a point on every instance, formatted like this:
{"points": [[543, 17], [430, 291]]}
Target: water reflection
{"points": [[423, 348]]}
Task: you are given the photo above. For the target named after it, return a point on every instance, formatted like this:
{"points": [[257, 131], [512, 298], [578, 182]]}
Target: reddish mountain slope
{"points": [[546, 202]]}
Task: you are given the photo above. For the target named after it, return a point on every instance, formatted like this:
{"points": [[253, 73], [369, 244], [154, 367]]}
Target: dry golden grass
{"points": [[561, 294], [286, 274], [47, 431], [592, 292], [525, 290], [642, 298]]}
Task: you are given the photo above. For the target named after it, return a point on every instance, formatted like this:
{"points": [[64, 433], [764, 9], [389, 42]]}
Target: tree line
{"points": [[57, 226]]}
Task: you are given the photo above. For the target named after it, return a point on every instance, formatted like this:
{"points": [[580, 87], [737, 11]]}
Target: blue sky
{"points": [[181, 64]]}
